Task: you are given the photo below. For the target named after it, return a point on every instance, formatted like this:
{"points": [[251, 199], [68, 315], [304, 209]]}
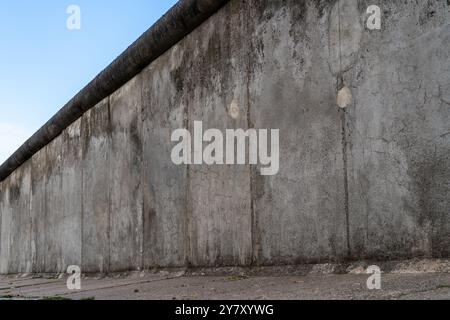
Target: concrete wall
{"points": [[371, 181]]}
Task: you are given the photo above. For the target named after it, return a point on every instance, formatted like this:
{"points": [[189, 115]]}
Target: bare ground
{"points": [[414, 279]]}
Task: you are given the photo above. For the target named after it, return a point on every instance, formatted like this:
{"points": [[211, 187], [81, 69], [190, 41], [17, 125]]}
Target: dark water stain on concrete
{"points": [[430, 175], [14, 193], [135, 132]]}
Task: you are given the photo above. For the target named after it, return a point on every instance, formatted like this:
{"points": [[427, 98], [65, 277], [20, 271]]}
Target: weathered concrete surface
{"points": [[125, 172], [180, 20], [164, 185], [15, 254], [220, 229], [398, 141], [299, 213], [96, 133], [72, 197], [54, 215], [38, 211], [370, 181]]}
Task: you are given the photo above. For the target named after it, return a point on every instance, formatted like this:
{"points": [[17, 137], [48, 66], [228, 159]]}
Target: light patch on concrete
{"points": [[234, 110], [344, 98]]}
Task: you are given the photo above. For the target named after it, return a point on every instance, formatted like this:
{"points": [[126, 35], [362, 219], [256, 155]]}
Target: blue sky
{"points": [[43, 64]]}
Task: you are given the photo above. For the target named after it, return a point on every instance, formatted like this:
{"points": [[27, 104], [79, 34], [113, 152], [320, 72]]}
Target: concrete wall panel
{"points": [[165, 188], [5, 234], [38, 210], [398, 142], [2, 207], [16, 223], [20, 258], [95, 131], [300, 212], [72, 196], [54, 215], [220, 229], [125, 177]]}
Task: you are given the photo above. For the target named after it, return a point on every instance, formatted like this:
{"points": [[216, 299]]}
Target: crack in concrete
{"points": [[340, 84], [254, 218], [28, 285], [346, 188], [412, 292]]}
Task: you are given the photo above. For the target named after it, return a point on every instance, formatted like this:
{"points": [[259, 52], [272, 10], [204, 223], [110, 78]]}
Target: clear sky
{"points": [[43, 64]]}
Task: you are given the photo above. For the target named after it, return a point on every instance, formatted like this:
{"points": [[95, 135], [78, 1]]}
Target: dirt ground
{"points": [[424, 279]]}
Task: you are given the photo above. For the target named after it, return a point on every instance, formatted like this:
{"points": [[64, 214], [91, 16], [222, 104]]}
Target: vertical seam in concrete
{"points": [[339, 40], [41, 267], [82, 141], [108, 157], [142, 244], [250, 125], [254, 220], [44, 251], [344, 140], [10, 234], [61, 199], [30, 219], [2, 199], [345, 167], [33, 234], [188, 218]]}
